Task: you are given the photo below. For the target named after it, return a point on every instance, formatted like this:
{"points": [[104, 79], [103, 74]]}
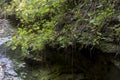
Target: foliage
{"points": [[63, 23], [37, 20], [3, 12], [60, 22]]}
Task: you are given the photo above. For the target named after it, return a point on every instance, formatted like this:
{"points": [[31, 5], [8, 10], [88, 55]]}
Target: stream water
{"points": [[7, 71]]}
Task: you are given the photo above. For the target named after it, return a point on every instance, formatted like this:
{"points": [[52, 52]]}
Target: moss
{"points": [[109, 47]]}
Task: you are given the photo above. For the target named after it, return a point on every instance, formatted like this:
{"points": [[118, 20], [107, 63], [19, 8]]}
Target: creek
{"points": [[7, 71]]}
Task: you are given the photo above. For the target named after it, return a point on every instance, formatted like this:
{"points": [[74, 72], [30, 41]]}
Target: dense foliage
{"points": [[66, 34], [37, 22], [61, 22]]}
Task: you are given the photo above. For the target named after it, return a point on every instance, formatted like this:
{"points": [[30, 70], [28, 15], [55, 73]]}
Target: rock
{"points": [[5, 28], [109, 48], [1, 73]]}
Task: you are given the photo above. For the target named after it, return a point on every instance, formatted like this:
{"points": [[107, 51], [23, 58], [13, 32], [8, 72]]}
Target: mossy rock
{"points": [[109, 47]]}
